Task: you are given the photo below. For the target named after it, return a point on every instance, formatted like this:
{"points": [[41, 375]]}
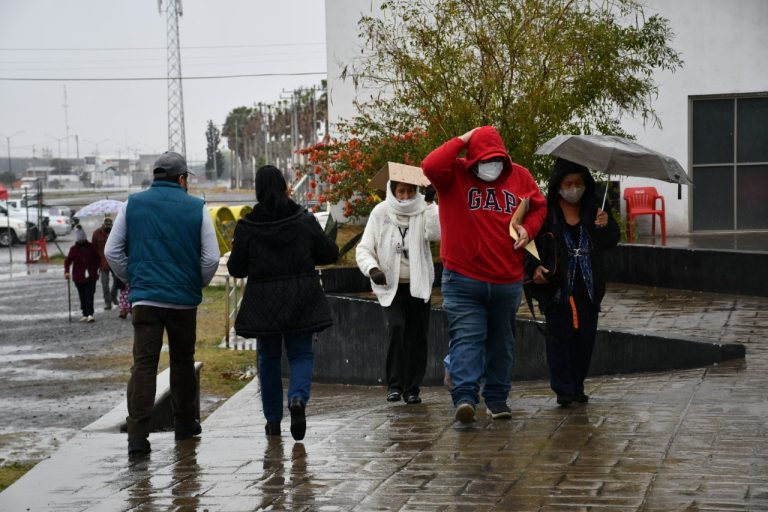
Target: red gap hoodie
{"points": [[475, 215]]}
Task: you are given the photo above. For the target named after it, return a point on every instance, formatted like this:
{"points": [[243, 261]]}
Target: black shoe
{"points": [[185, 432], [498, 410], [272, 428], [393, 396], [298, 418], [564, 400], [411, 398], [138, 448], [581, 398]]}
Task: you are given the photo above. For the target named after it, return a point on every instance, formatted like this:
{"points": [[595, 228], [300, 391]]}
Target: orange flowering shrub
{"points": [[342, 168]]}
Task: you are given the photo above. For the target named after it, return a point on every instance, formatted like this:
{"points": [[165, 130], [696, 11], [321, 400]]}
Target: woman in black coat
{"points": [[574, 236], [276, 247]]}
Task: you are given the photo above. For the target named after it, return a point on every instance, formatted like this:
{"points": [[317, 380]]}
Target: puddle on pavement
{"points": [[35, 374], [10, 358]]}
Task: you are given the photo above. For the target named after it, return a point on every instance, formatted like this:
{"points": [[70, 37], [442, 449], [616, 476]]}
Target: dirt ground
{"points": [[55, 376]]}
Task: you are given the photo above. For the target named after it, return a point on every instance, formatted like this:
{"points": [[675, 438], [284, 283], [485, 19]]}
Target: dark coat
{"points": [[277, 251], [551, 239], [84, 260]]}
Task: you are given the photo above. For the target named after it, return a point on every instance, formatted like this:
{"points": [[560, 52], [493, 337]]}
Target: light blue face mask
{"points": [[489, 171]]}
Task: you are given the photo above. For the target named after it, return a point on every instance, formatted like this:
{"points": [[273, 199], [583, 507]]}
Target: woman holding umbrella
{"points": [[571, 284]]}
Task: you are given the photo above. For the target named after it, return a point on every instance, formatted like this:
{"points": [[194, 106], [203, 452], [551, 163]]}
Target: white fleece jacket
{"points": [[377, 249]]}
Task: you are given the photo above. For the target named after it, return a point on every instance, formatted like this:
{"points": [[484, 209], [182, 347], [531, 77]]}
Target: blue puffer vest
{"points": [[164, 245]]}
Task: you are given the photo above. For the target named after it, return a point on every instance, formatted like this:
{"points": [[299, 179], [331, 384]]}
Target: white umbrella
{"points": [[100, 207], [616, 155]]}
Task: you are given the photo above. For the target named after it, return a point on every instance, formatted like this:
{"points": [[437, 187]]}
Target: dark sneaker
{"points": [[272, 428], [138, 448], [393, 396], [564, 400], [185, 432], [298, 418], [581, 398], [465, 412], [499, 410], [411, 398]]}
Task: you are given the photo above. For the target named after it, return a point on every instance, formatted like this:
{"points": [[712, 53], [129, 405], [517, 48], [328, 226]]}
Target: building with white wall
{"points": [[713, 111]]}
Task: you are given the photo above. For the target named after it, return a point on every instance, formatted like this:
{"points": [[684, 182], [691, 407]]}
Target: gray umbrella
{"points": [[616, 155]]}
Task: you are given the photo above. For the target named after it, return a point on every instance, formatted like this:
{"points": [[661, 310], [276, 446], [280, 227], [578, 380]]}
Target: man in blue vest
{"points": [[164, 245]]}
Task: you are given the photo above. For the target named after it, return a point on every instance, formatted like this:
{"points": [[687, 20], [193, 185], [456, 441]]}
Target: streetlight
{"points": [[8, 143], [58, 141], [96, 144]]}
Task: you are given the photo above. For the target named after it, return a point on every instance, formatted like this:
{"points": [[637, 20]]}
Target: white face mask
{"points": [[489, 171], [406, 202], [573, 194]]}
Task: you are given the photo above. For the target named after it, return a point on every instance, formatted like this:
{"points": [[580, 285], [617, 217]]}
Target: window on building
{"points": [[729, 159]]}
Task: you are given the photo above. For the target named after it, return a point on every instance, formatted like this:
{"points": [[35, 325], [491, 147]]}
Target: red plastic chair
{"points": [[642, 201]]}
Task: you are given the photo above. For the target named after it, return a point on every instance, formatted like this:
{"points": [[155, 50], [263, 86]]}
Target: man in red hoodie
{"points": [[482, 264]]}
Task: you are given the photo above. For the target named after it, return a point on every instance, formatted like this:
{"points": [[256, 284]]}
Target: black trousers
{"points": [[149, 323], [569, 350], [407, 321], [86, 291]]}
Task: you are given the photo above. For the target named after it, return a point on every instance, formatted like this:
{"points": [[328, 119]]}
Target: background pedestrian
{"points": [[84, 262], [99, 241]]}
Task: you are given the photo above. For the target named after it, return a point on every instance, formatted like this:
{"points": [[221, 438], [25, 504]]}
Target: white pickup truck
{"points": [[13, 229], [58, 216]]}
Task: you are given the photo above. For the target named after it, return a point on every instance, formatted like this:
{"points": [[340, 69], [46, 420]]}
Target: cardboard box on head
{"points": [[398, 172]]}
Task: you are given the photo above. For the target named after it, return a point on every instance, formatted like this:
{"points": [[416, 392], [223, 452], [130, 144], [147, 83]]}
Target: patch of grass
{"points": [[222, 368], [11, 472], [345, 234]]}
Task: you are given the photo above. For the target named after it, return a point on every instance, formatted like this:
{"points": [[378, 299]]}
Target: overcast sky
{"points": [[127, 38]]}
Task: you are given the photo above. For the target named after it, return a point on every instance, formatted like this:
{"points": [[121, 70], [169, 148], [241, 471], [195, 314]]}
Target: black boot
{"points": [[298, 419], [272, 428]]}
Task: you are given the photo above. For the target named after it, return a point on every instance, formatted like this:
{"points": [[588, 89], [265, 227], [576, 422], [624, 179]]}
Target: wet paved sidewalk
{"points": [[688, 440]]}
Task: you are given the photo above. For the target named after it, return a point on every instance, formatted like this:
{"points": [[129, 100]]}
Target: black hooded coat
{"points": [[277, 251], [551, 239]]}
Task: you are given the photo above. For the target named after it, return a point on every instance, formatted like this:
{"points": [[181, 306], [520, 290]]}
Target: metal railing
{"points": [[233, 296]]}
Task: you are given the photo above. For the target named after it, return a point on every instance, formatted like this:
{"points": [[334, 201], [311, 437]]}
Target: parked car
{"points": [[12, 229], [59, 217]]}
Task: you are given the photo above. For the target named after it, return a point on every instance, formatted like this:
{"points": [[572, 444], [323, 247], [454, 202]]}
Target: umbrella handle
{"points": [[605, 194]]}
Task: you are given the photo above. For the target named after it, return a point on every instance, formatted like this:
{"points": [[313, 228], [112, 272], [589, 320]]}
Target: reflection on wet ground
{"points": [[683, 440]]}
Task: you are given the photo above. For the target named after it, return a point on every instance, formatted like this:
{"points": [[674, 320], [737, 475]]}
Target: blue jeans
{"points": [[481, 319], [298, 348]]}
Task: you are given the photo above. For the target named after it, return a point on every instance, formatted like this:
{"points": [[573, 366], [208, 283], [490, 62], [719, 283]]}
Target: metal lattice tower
{"points": [[177, 140]]}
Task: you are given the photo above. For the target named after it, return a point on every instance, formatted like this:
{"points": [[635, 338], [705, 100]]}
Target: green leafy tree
{"points": [[532, 68], [214, 164]]}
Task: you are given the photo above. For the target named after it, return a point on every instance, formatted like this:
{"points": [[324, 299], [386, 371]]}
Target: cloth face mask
{"points": [[489, 171], [573, 194]]}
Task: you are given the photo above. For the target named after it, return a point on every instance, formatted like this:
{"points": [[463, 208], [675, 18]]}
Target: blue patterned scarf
{"points": [[578, 257]]}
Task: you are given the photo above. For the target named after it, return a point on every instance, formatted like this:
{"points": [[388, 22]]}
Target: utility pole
{"points": [[176, 136], [66, 119], [8, 143]]}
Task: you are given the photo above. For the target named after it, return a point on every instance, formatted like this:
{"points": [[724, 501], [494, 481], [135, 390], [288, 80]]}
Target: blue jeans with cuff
{"points": [[301, 358], [481, 319]]}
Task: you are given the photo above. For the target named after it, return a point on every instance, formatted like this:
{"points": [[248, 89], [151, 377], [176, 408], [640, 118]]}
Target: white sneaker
{"points": [[83, 318], [90, 319]]}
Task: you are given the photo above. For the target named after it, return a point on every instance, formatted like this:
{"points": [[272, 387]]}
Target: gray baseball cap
{"points": [[170, 165]]}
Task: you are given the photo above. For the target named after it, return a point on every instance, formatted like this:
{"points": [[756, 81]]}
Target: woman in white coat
{"points": [[394, 252]]}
